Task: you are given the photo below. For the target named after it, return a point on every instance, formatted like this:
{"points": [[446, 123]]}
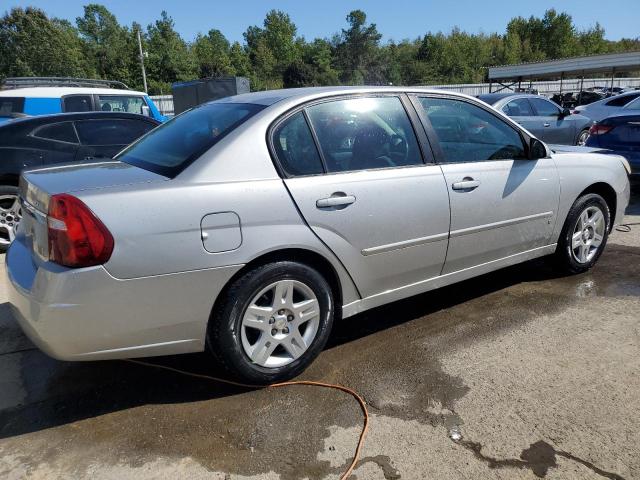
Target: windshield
{"points": [[174, 145]]}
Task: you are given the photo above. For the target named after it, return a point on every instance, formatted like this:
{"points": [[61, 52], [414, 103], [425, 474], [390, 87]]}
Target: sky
{"points": [[395, 19]]}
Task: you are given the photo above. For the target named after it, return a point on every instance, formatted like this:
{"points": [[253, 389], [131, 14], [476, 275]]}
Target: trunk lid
{"points": [[37, 187]]}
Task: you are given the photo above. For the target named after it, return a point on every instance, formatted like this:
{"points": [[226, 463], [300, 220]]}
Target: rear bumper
{"points": [[86, 314]]}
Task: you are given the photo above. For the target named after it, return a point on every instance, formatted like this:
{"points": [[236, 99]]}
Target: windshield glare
{"points": [[171, 147]]}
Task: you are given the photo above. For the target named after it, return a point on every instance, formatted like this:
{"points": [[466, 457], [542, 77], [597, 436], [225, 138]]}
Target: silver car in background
{"points": [[626, 102], [248, 225], [542, 117]]}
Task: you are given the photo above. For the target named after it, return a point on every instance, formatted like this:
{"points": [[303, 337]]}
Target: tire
{"points": [[577, 251], [10, 215], [271, 342], [582, 138]]}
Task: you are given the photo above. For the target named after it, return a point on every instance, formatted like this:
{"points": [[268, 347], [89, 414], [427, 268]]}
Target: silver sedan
{"points": [[249, 225]]}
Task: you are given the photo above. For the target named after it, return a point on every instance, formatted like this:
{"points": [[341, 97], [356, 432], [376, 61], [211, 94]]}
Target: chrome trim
{"points": [[502, 223], [404, 244], [37, 214]]}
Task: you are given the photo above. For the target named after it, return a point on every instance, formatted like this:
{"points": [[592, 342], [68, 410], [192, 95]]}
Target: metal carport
{"points": [[575, 66]]}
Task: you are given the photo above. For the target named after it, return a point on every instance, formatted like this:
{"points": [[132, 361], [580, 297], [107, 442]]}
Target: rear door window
{"points": [[121, 103], [519, 107], [59, 132], [365, 133], [111, 132], [9, 105], [174, 145], [544, 108], [78, 103]]}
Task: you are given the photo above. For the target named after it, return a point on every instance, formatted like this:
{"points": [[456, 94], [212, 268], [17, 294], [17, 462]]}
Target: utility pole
{"points": [[144, 74]]}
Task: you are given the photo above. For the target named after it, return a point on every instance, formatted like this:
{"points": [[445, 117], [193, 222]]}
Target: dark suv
{"points": [[32, 142]]}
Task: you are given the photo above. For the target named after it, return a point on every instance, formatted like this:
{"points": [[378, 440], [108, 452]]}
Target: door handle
{"points": [[547, 124], [467, 183], [337, 199]]}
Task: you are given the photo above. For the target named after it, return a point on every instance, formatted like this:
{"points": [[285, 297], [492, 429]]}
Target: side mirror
{"points": [[146, 111], [537, 149]]}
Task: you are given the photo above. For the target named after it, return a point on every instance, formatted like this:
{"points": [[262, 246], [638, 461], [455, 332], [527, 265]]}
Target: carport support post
{"points": [[490, 84], [580, 93], [613, 75], [561, 78]]}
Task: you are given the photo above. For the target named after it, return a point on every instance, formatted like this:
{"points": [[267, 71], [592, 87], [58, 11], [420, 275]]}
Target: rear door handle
{"points": [[337, 199], [547, 124], [467, 183]]}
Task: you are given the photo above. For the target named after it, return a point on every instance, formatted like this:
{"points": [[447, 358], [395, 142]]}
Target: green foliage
{"points": [[274, 56]]}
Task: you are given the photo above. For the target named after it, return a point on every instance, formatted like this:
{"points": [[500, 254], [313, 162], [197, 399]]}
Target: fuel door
{"points": [[221, 232]]}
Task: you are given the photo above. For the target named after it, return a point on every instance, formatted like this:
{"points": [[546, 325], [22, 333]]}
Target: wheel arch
{"points": [[11, 180], [607, 192], [301, 255]]}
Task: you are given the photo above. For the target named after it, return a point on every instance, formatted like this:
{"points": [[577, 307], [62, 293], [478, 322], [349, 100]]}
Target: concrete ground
{"points": [[517, 374]]}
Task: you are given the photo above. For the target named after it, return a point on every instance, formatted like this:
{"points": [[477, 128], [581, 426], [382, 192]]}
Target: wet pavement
{"points": [[516, 374]]}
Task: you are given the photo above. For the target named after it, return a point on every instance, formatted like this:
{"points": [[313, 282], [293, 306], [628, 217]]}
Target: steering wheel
{"points": [[398, 148]]}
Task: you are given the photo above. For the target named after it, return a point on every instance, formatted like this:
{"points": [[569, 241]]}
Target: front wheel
{"points": [[584, 234], [10, 215], [272, 322]]}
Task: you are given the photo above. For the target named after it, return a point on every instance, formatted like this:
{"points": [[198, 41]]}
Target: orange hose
{"points": [[353, 393]]}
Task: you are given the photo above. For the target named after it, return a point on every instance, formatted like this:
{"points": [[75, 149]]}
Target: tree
{"points": [[32, 44], [169, 56], [357, 48], [211, 54]]}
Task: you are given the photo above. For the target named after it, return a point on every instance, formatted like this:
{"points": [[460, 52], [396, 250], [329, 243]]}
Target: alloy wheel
{"points": [[588, 234], [280, 323], [10, 216], [582, 139]]}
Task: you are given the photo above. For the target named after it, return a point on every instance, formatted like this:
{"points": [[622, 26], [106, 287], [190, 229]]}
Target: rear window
{"points": [[115, 131], [174, 145], [11, 105], [622, 100]]}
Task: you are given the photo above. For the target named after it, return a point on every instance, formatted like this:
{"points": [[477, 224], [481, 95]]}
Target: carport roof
{"points": [[614, 62]]}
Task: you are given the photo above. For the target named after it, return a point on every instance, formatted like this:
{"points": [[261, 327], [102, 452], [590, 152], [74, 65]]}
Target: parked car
{"points": [[572, 99], [31, 142], [48, 95], [250, 224], [542, 117], [621, 135], [604, 108]]}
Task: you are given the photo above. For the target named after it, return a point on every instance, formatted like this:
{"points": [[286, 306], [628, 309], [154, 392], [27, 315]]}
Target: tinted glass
{"points": [[635, 105], [62, 132], [11, 105], [78, 103], [622, 100], [171, 147], [111, 132], [544, 108], [121, 103], [468, 133], [519, 107], [295, 147], [365, 133]]}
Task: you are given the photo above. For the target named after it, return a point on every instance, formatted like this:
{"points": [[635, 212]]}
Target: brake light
{"points": [[77, 238], [600, 129]]}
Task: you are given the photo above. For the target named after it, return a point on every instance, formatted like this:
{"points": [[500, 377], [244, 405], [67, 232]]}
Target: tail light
{"points": [[77, 238], [600, 129]]}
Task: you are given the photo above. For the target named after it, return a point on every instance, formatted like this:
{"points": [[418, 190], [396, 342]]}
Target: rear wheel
{"points": [[584, 234], [582, 138], [273, 321], [10, 215]]}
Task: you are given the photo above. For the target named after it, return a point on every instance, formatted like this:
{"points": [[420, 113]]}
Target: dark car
{"points": [[542, 117], [32, 142], [620, 134]]}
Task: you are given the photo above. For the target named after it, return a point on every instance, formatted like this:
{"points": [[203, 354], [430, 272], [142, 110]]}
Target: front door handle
{"points": [[337, 199], [467, 183], [547, 124]]}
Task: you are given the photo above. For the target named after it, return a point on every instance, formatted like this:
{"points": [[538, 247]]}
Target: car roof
{"points": [[43, 119], [55, 92], [270, 97], [492, 98]]}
